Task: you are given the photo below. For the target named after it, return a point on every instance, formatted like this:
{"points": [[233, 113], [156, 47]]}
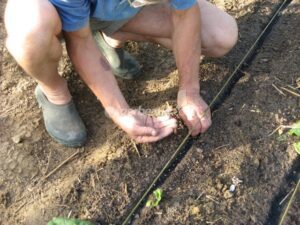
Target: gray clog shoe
{"points": [[62, 122], [121, 62]]}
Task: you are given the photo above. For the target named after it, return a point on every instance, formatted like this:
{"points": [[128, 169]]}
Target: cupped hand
{"points": [[193, 111], [144, 128]]}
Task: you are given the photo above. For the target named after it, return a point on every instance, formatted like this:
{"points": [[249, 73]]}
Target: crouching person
{"points": [[94, 31]]}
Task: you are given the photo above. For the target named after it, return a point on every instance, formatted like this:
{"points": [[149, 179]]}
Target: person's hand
{"points": [[193, 111], [144, 128]]}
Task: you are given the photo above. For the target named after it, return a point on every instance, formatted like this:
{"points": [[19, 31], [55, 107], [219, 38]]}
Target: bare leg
{"points": [[154, 23], [33, 27]]}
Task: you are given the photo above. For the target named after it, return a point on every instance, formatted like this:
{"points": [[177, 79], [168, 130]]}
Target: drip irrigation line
{"points": [[276, 212], [290, 203], [187, 142]]}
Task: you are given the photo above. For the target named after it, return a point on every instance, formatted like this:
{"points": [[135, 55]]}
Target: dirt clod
{"points": [[195, 210], [227, 194], [17, 139], [5, 199]]}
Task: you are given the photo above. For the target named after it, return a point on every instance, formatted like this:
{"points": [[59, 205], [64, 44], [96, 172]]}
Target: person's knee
{"points": [[30, 36], [27, 46], [225, 38]]}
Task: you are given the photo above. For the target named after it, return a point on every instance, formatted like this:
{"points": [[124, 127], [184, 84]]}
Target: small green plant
{"points": [[155, 198], [65, 221], [296, 132]]}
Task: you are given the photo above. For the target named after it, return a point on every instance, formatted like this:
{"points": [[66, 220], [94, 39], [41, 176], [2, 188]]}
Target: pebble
{"points": [[265, 60], [256, 162], [199, 150], [17, 139], [232, 188]]}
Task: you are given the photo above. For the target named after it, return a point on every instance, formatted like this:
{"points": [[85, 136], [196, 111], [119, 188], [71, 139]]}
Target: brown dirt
{"points": [[238, 145], [108, 175]]}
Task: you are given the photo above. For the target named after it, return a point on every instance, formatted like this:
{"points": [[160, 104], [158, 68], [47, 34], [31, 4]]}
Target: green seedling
{"points": [[64, 221], [296, 132], [155, 198], [295, 129], [297, 147]]}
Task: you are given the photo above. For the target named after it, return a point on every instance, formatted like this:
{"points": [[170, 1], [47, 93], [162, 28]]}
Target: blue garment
{"points": [[75, 14]]}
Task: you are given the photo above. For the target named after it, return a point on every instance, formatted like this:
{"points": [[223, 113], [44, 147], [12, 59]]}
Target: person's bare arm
{"points": [[186, 41], [95, 71]]}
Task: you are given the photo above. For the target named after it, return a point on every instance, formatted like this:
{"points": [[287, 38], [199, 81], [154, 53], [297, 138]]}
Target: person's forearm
{"points": [[95, 71], [186, 40]]}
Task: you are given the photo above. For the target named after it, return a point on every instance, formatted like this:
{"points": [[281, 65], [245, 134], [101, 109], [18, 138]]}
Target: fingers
{"points": [[148, 139], [145, 131], [194, 112], [163, 127], [164, 122], [205, 119], [191, 120], [196, 119]]}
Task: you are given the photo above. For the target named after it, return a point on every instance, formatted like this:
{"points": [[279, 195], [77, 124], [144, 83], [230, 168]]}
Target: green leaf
{"points": [[158, 193], [297, 147], [155, 199], [296, 129], [64, 221], [149, 203]]}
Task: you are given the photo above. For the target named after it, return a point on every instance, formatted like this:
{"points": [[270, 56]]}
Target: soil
{"points": [[106, 177]]}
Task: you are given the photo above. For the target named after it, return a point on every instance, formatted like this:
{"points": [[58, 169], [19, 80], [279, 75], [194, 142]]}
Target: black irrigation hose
{"points": [[293, 176], [185, 145]]}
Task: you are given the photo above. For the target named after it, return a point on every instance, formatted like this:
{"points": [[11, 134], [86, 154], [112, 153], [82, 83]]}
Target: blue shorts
{"points": [[75, 14], [107, 27]]}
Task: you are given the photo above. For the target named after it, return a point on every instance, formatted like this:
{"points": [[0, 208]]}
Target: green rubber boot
{"points": [[123, 65]]}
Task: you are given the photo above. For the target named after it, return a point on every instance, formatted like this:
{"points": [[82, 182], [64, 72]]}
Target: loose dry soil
{"points": [[106, 177]]}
